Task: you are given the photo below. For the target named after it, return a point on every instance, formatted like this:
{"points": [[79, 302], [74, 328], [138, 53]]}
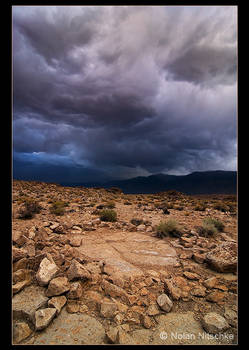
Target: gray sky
{"points": [[116, 92]]}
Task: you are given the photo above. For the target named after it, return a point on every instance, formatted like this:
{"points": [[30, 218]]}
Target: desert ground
{"points": [[82, 275]]}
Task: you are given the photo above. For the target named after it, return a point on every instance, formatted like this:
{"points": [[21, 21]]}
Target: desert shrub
{"points": [[136, 221], [58, 208], [29, 208], [210, 227], [216, 222], [221, 206], [200, 207], [110, 205], [168, 228], [108, 215]]}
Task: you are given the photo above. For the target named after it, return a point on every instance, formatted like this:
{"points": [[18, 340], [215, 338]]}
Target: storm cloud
{"points": [[114, 92]]}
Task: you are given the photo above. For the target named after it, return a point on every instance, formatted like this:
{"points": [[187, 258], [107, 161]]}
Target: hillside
{"points": [[205, 182]]}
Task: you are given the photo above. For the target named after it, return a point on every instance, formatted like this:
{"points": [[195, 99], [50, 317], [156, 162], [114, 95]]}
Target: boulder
{"points": [[223, 258], [108, 309], [214, 323], [21, 331], [47, 270], [164, 302], [58, 286], [18, 253], [75, 291], [43, 317], [58, 303], [26, 302], [77, 271]]}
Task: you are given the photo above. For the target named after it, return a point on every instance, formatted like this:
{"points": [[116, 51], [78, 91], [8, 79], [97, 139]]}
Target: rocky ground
{"points": [[80, 280]]}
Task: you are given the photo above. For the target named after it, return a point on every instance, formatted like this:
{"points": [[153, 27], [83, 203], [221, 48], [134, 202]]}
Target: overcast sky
{"points": [[115, 92]]}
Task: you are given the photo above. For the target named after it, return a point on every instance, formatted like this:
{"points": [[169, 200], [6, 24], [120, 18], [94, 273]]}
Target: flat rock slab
{"points": [[72, 329], [127, 253], [26, 302], [180, 329]]}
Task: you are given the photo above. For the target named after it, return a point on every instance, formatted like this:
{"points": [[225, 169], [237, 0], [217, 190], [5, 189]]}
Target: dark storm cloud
{"points": [[126, 90]]}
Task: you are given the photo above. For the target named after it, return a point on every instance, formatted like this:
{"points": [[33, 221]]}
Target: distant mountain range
{"points": [[199, 182]]}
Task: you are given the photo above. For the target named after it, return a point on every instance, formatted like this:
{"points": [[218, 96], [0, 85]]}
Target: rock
{"points": [[72, 329], [43, 317], [141, 227], [77, 271], [108, 309], [124, 338], [47, 270], [147, 323], [18, 253], [198, 291], [26, 302], [223, 258], [57, 286], [111, 334], [231, 316], [118, 318], [164, 302], [216, 297], [59, 229], [177, 287], [191, 275], [210, 282], [115, 291], [75, 241], [199, 258], [57, 303], [214, 323], [153, 310], [21, 331], [21, 278], [73, 306], [75, 291]]}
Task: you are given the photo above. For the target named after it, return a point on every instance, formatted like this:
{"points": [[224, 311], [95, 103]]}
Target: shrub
{"points": [[221, 206], [200, 207], [217, 223], [136, 221], [168, 228], [30, 207], [108, 215], [210, 227], [58, 208]]}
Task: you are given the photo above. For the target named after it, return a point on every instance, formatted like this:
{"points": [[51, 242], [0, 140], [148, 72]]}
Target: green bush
{"points": [[58, 208], [108, 215], [168, 228], [217, 223]]}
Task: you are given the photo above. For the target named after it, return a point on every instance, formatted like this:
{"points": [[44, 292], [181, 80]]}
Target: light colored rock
{"points": [[43, 317], [147, 321], [75, 291], [231, 316], [223, 258], [191, 275], [47, 270], [214, 323], [199, 291], [77, 271], [26, 302], [58, 303], [75, 241], [114, 291], [141, 227], [108, 309], [153, 310], [210, 282], [216, 296], [164, 302], [18, 253], [72, 329], [124, 338], [21, 331], [57, 286], [111, 334]]}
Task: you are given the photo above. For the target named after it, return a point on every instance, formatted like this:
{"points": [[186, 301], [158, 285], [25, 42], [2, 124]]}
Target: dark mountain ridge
{"points": [[198, 182]]}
